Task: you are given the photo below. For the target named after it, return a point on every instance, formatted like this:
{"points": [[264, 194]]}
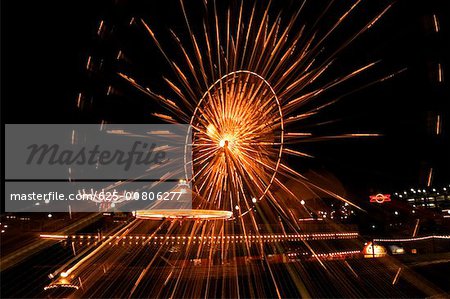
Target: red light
{"points": [[380, 198]]}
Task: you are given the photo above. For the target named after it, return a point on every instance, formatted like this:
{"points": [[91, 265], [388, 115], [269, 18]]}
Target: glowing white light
{"points": [[302, 202], [254, 199], [211, 130], [64, 274], [49, 215]]}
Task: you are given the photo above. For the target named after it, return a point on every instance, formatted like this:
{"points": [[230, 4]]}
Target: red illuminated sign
{"points": [[380, 198]]}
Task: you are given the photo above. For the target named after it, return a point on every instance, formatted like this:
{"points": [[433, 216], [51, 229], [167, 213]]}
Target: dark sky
{"points": [[45, 45]]}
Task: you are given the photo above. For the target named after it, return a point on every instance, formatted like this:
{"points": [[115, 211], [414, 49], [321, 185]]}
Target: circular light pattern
{"points": [[238, 135]]}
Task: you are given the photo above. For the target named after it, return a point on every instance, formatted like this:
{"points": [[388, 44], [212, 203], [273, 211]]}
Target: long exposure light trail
{"points": [[413, 239], [245, 79]]}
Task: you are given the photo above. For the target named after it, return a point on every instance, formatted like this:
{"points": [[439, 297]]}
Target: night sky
{"points": [[45, 45]]}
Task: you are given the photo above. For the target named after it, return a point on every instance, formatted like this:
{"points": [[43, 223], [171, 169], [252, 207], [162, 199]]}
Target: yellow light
{"points": [[222, 143]]}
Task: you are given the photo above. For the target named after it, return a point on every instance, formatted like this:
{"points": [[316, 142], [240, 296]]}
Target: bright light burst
{"points": [[238, 140], [241, 84], [244, 80]]}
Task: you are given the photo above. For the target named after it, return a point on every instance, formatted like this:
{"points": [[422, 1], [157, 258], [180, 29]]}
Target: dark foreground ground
{"points": [[420, 277]]}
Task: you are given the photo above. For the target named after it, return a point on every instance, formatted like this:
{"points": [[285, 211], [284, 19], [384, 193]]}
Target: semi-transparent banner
{"points": [[96, 196], [86, 167]]}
